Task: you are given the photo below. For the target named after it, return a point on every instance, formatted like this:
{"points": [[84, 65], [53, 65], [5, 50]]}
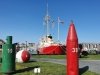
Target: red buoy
{"points": [[25, 56], [22, 56], [72, 51]]}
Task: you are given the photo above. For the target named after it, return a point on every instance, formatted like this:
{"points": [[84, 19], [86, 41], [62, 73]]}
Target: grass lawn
{"points": [[0, 53], [46, 69], [89, 73], [91, 57], [50, 56]]}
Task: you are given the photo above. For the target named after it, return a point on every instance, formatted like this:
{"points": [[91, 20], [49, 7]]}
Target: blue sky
{"points": [[23, 19]]}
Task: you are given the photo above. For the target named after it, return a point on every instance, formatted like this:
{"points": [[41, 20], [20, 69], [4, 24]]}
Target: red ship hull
{"points": [[53, 50]]}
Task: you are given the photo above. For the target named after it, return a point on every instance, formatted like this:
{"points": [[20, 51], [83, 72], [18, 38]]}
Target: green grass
{"points": [[0, 53], [50, 56], [46, 69], [91, 57], [90, 73]]}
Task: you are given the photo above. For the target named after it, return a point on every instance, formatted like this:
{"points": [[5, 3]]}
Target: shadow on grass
{"points": [[84, 56], [83, 70], [31, 61], [24, 70]]}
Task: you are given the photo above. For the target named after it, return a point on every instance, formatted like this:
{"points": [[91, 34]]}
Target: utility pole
{"points": [[26, 45]]}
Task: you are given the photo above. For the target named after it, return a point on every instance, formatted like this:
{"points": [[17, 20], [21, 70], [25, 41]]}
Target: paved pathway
{"points": [[92, 65]]}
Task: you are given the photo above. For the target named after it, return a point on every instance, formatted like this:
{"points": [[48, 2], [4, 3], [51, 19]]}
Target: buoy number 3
{"points": [[74, 50]]}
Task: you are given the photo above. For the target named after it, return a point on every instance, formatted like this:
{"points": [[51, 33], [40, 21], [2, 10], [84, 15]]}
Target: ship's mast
{"points": [[62, 22], [47, 19], [58, 29]]}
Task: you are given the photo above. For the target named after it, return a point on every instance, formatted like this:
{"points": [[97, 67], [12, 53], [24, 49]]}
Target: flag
{"points": [[60, 21]]}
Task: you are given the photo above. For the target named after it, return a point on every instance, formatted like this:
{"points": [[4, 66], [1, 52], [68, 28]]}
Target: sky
{"points": [[23, 19]]}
